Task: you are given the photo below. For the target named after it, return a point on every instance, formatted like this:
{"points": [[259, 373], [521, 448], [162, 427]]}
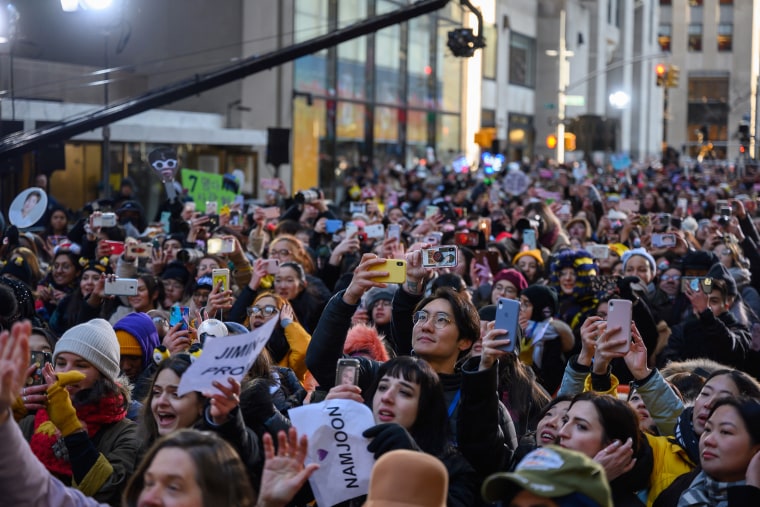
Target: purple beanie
{"points": [[141, 327]]}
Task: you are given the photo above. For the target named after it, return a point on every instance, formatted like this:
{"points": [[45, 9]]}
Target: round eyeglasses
{"points": [[266, 311], [440, 319]]}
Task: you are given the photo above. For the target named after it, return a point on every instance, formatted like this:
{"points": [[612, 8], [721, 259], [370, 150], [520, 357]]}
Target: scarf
{"points": [[705, 491], [532, 344], [48, 444], [685, 435]]}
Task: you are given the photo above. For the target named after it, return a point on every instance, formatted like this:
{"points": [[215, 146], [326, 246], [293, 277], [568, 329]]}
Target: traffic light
{"points": [[484, 137], [743, 137], [569, 141], [672, 76], [551, 141], [662, 74]]}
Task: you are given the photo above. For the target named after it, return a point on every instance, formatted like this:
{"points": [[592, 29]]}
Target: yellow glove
{"points": [[59, 407], [19, 409]]}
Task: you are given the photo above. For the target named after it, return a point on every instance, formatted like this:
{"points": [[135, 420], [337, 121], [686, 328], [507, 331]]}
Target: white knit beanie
{"points": [[95, 342]]}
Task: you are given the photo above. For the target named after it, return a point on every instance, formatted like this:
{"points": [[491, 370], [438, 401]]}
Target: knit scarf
{"points": [[704, 491], [685, 435], [48, 444]]}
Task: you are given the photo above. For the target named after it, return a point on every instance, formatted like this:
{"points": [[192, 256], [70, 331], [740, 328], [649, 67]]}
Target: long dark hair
{"points": [[431, 428]]}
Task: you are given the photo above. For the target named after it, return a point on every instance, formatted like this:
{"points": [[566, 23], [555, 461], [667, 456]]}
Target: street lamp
{"points": [[619, 99], [563, 55]]}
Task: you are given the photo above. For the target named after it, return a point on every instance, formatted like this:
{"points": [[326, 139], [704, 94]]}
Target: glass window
{"points": [[448, 73], [666, 2], [349, 121], [447, 136], [725, 36], [696, 3], [522, 60], [388, 59], [310, 72], [695, 37], [386, 125], [664, 36], [420, 70], [352, 55], [489, 52]]}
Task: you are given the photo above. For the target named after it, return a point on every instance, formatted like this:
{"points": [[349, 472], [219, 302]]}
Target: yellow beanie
{"points": [[536, 254], [128, 344]]}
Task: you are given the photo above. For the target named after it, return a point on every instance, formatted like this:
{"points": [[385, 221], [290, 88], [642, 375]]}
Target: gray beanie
{"points": [[375, 294], [95, 342]]}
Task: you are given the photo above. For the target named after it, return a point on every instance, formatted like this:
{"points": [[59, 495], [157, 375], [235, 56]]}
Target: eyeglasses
{"points": [[164, 164], [440, 320], [670, 278], [283, 252], [267, 311], [508, 289], [160, 321]]}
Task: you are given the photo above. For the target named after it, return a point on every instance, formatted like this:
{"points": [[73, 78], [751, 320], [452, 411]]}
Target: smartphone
{"points": [[683, 203], [357, 207], [180, 314], [213, 220], [139, 250], [440, 257], [270, 183], [664, 240], [434, 238], [104, 220], [565, 209], [212, 207], [467, 238], [507, 317], [273, 266], [347, 371], [619, 315], [394, 231], [490, 259], [484, 225], [333, 226], [57, 240], [166, 217], [599, 251], [220, 245], [121, 287], [529, 238], [396, 269], [629, 205], [375, 231], [39, 359], [221, 275], [690, 282], [432, 211], [644, 220], [351, 229], [234, 217], [114, 247], [272, 212]]}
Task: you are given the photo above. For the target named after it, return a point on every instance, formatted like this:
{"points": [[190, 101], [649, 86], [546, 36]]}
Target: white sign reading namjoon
{"points": [[334, 429], [228, 356]]}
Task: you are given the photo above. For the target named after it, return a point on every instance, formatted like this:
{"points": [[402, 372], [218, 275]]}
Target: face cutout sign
{"points": [[164, 161]]}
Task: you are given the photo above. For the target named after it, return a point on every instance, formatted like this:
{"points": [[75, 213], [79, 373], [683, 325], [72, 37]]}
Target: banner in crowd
{"points": [[204, 187], [334, 429]]}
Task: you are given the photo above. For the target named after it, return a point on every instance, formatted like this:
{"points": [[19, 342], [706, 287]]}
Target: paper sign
{"points": [[516, 182], [229, 356], [334, 429], [203, 187]]}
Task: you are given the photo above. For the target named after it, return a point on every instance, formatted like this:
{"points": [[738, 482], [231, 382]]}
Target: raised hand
{"points": [[284, 472], [14, 361]]}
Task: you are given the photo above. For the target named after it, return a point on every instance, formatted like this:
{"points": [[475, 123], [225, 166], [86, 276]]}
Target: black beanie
{"points": [[487, 313], [719, 272], [544, 301]]}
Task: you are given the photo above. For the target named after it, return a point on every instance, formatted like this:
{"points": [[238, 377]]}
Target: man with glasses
{"points": [[441, 330]]}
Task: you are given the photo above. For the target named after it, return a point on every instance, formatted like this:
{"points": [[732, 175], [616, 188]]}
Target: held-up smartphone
{"points": [[599, 251], [529, 238], [434, 238], [39, 359], [629, 205], [347, 372], [484, 225], [440, 257], [507, 317], [212, 207], [664, 240], [357, 207], [490, 259], [139, 250], [220, 245], [565, 210], [333, 226], [467, 238], [273, 266], [121, 287], [234, 217], [690, 282], [272, 212], [619, 315], [375, 231], [394, 231], [396, 269], [270, 183], [432, 211], [104, 220], [114, 247], [180, 314], [221, 275]]}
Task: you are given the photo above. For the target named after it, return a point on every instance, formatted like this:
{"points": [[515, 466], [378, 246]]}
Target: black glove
{"points": [[389, 437], [628, 286]]}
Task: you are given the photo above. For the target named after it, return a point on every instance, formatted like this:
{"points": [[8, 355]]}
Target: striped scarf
{"points": [[704, 491]]}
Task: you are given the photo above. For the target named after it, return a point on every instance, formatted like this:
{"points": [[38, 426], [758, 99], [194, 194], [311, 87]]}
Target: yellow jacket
{"points": [[298, 340]]}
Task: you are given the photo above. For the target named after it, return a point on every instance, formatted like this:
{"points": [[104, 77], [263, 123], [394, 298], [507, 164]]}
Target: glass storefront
{"points": [[387, 97]]}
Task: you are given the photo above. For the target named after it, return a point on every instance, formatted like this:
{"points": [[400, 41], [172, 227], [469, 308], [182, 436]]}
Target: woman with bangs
{"points": [[88, 301], [165, 411], [409, 410]]}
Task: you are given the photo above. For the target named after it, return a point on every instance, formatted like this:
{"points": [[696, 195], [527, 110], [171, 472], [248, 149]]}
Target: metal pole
{"points": [[665, 118], [564, 81], [106, 146]]}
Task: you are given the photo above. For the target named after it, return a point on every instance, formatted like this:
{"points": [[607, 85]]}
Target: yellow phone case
{"points": [[396, 269]]}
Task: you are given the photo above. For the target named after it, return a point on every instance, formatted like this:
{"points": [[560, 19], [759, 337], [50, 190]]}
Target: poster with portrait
{"points": [[28, 207]]}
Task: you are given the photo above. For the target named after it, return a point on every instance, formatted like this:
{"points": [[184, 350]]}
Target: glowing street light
{"points": [[619, 100]]}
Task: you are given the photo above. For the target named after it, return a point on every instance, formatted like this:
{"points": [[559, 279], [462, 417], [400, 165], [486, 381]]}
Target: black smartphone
{"points": [[39, 359]]}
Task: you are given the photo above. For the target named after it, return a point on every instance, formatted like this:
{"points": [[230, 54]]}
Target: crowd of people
{"points": [[566, 406]]}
